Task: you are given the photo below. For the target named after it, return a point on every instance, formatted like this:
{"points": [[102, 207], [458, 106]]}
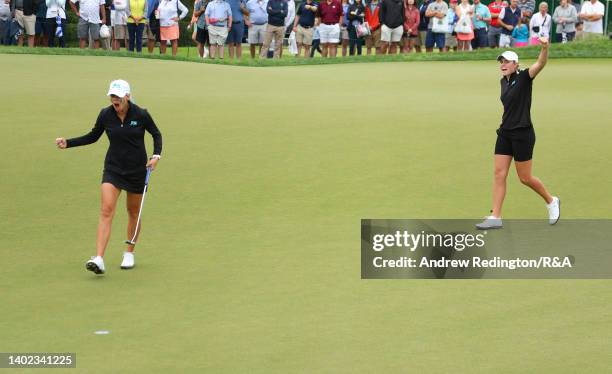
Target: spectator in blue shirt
{"points": [[219, 20], [234, 37], [256, 22]]}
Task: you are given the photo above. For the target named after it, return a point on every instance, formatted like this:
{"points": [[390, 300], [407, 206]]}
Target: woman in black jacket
{"points": [[355, 16]]}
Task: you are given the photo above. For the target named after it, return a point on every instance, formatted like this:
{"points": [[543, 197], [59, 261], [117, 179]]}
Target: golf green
{"points": [[249, 256]]}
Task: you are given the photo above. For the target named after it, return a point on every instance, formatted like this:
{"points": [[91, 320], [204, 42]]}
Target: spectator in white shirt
{"points": [[168, 23], [56, 8], [89, 20], [119, 20], [591, 14], [539, 26]]}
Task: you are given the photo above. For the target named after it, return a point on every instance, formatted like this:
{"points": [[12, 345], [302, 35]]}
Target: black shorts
{"points": [[517, 143], [133, 183], [202, 36]]}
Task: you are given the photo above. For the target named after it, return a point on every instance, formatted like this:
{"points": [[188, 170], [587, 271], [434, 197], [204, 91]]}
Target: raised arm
{"points": [[536, 68], [86, 139]]}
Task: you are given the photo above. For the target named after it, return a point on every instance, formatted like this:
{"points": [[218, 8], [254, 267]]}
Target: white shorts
{"points": [[504, 41], [329, 33], [391, 35], [256, 33]]}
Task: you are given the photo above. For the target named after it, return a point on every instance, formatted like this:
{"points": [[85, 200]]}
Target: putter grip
{"points": [[149, 170]]}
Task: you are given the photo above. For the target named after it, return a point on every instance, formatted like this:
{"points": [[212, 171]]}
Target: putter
{"points": [[144, 193]]}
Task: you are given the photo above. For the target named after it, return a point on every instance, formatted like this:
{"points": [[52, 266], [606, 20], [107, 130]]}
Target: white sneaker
{"points": [[95, 264], [490, 222], [554, 210], [128, 260]]}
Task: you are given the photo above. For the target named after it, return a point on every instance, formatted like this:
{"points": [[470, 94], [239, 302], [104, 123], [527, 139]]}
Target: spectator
{"points": [[372, 17], [495, 29], [5, 21], [392, 29], [411, 26], [591, 14], [331, 14], [24, 12], [168, 23], [508, 18], [436, 12], [289, 18], [136, 20], [275, 30], [257, 23], [450, 37], [356, 15], [539, 26], [199, 7], [219, 20], [465, 12], [316, 40], [56, 9], [565, 16], [41, 38], [151, 33], [527, 7], [303, 26], [482, 17], [423, 24], [344, 27], [119, 23], [89, 20], [236, 32], [520, 34]]}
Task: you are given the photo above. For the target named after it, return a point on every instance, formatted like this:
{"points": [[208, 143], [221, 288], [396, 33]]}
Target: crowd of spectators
{"points": [[385, 26]]}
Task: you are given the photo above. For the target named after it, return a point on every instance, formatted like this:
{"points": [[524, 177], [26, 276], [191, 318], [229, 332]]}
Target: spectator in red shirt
{"points": [[412, 17], [331, 14], [372, 17], [495, 8]]}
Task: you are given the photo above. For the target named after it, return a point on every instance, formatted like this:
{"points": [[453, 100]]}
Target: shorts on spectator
{"points": [[373, 40], [304, 35], [450, 40], [257, 33], [40, 27], [392, 35], [120, 32], [234, 36], [85, 29], [329, 33], [28, 23], [217, 34], [344, 32], [505, 41], [435, 39], [169, 32], [202, 36]]}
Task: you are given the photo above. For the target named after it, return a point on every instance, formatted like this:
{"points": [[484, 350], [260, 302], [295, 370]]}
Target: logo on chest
{"points": [[133, 123]]}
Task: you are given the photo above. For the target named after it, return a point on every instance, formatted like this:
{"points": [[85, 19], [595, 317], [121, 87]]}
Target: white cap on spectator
{"points": [[119, 88], [508, 56]]}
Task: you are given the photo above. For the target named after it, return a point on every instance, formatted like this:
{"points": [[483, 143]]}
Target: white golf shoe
{"points": [[490, 222], [128, 260], [95, 264], [554, 210]]}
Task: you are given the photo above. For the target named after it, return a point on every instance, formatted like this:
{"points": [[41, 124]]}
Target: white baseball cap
{"points": [[119, 88], [508, 56]]}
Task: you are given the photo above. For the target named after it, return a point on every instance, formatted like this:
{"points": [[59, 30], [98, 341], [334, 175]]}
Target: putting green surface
{"points": [[249, 256]]}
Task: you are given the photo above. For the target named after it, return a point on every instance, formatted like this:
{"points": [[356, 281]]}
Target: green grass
{"points": [[249, 255], [591, 48]]}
